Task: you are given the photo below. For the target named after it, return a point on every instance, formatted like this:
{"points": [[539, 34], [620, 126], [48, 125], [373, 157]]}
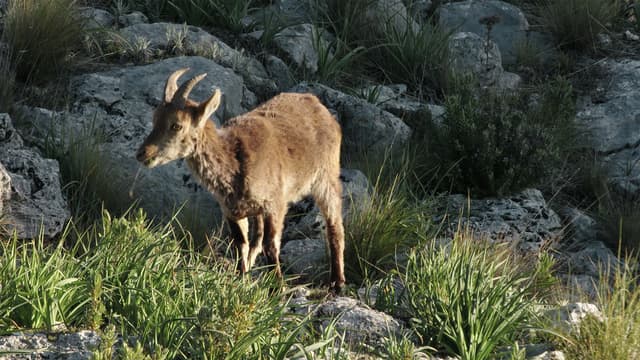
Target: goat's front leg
{"points": [[273, 224], [255, 247], [240, 234]]}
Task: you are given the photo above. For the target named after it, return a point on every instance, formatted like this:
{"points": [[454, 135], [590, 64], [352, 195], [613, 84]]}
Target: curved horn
{"points": [[181, 95], [172, 84]]}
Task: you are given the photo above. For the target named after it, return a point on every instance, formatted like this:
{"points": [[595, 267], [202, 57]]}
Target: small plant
{"points": [[577, 23], [43, 37], [177, 40], [389, 224], [402, 348], [335, 60], [221, 13], [499, 143], [416, 57], [619, 215], [467, 297], [88, 179], [616, 335], [7, 81]]}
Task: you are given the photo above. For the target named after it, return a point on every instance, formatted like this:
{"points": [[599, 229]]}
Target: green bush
{"points": [[467, 298], [577, 23], [498, 143], [44, 37]]}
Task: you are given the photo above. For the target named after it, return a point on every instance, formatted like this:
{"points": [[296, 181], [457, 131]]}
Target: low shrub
{"points": [[498, 143]]}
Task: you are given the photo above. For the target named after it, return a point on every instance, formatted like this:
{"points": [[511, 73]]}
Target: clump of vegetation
{"points": [[616, 335], [498, 143], [389, 224], [163, 293], [577, 23], [467, 298], [418, 57], [44, 37], [619, 215]]}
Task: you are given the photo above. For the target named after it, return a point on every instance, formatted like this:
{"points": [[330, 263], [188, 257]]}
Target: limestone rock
{"points": [[30, 193], [611, 116], [358, 322], [524, 220], [191, 40], [474, 55], [509, 30], [297, 44], [570, 316]]}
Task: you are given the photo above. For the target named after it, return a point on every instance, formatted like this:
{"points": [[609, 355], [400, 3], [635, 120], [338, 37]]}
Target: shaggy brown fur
{"points": [[284, 150]]}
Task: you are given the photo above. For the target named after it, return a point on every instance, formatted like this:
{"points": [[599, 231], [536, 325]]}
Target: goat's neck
{"points": [[214, 162]]}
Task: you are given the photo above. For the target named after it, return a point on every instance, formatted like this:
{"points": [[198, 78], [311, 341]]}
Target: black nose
{"points": [[141, 155]]}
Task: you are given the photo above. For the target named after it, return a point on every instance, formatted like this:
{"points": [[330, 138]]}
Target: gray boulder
{"points": [[524, 220], [569, 317], [30, 192], [509, 30], [471, 54], [97, 18], [612, 119], [191, 40], [365, 127], [279, 72], [132, 18], [67, 346], [296, 43], [359, 323]]}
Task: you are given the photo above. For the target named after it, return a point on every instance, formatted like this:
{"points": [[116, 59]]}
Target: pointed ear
{"points": [[207, 108]]}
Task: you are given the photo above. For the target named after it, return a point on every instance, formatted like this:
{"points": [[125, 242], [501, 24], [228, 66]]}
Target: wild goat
{"points": [[255, 165]]}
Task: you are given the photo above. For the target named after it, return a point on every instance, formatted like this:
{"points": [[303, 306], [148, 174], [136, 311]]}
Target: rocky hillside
{"points": [[492, 124]]}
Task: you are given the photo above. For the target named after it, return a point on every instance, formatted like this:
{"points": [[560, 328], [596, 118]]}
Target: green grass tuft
{"points": [[44, 37]]}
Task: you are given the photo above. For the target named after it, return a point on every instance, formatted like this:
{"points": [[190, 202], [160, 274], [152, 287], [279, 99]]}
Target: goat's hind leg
{"points": [[329, 200], [240, 234]]}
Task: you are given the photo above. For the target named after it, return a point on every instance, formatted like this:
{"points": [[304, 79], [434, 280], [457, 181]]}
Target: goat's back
{"points": [[292, 139]]}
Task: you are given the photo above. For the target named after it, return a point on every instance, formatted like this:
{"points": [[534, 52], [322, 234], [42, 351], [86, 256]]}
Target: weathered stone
{"points": [[97, 18], [297, 44], [279, 72], [359, 323], [365, 127], [35, 203], [191, 40], [474, 55], [133, 18], [510, 28], [5, 188], [382, 16], [549, 355], [569, 317], [524, 220], [306, 257], [67, 346], [612, 119]]}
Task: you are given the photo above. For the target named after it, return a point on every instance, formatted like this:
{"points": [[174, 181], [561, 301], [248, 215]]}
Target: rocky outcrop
{"points": [[481, 58], [176, 39], [611, 116], [39, 346], [524, 220], [508, 24], [297, 44], [365, 127], [31, 198], [358, 322]]}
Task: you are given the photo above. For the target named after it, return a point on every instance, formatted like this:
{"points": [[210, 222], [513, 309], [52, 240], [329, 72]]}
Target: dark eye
{"points": [[176, 127]]}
